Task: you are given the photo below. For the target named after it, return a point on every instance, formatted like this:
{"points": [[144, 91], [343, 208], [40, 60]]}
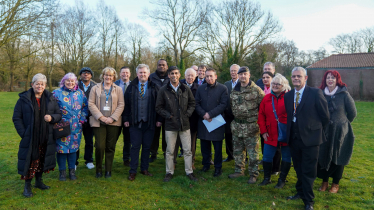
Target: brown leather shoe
{"points": [[334, 188], [146, 173], [324, 186], [252, 180], [132, 177]]}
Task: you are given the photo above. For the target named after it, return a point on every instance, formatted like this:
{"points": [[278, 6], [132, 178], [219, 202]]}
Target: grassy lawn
{"points": [[356, 187]]}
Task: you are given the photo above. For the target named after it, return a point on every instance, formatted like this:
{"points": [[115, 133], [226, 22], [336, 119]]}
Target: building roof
{"points": [[354, 60]]}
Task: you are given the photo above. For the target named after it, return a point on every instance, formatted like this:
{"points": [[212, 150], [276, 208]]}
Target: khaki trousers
{"points": [[171, 139]]}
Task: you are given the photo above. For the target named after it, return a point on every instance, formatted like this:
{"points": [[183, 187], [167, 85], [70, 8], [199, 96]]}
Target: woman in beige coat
{"points": [[106, 105]]}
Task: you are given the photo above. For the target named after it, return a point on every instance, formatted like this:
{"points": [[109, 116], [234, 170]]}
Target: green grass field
{"points": [[356, 187]]}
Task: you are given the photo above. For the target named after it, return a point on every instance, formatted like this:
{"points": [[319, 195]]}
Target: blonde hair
{"points": [[282, 80], [110, 69]]}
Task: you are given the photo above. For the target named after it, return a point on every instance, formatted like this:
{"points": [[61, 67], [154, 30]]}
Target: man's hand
{"points": [[265, 136], [47, 118], [127, 124], [158, 124], [206, 116]]}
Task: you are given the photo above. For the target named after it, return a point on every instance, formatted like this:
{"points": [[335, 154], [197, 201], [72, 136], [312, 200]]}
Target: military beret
{"points": [[243, 69]]}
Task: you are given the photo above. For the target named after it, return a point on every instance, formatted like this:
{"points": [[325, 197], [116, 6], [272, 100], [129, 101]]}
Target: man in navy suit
{"points": [[307, 115]]}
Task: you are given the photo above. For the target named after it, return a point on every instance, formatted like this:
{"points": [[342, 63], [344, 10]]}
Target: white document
{"points": [[216, 123]]}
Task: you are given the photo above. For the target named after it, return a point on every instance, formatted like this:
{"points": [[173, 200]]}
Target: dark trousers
{"points": [[106, 137], [206, 150], [305, 160], [126, 143], [88, 139], [229, 146], [140, 137], [156, 141], [228, 138], [193, 146], [277, 156], [335, 171]]}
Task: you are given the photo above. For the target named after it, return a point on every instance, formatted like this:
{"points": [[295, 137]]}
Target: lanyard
{"points": [[107, 94]]}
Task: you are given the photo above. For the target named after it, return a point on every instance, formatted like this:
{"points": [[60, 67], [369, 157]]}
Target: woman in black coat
{"points": [[34, 114], [336, 152]]}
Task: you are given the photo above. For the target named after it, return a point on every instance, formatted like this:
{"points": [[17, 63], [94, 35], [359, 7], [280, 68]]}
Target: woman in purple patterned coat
{"points": [[74, 107]]}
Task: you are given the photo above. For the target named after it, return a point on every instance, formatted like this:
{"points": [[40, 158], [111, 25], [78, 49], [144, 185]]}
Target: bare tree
{"points": [[347, 43], [367, 36], [179, 22], [75, 35], [106, 18], [138, 41], [235, 28]]}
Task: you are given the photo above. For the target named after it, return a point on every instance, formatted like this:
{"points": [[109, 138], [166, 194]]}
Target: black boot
{"points": [[27, 190], [267, 173], [72, 174], [285, 168], [62, 175], [39, 181]]}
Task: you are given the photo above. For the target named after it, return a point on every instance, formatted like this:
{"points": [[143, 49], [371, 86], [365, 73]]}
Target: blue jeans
{"points": [[61, 160], [269, 152]]}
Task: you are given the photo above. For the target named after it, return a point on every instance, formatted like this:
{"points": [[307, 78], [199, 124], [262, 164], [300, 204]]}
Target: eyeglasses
{"points": [[296, 76], [277, 84]]}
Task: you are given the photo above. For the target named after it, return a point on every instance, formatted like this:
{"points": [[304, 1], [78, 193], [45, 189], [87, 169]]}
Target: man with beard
{"points": [[159, 78], [85, 84]]}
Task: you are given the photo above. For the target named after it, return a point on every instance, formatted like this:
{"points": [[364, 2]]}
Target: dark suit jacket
{"points": [[312, 115]]}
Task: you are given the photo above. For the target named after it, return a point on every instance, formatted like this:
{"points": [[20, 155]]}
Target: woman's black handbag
{"points": [[282, 127], [61, 129]]}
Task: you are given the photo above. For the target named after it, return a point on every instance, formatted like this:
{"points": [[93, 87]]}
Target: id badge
{"points": [[294, 119], [106, 108]]}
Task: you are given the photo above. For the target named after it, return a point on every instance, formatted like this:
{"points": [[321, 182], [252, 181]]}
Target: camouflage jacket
{"points": [[244, 106]]}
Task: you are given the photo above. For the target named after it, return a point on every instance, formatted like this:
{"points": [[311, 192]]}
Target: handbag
{"points": [[282, 127], [61, 129]]}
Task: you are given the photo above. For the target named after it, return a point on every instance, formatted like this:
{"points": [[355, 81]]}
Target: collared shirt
{"points": [[189, 85], [86, 87], [175, 88], [145, 86], [233, 84], [123, 85], [200, 81], [301, 91]]}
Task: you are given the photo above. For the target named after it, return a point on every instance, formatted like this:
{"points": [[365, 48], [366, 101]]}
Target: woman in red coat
{"points": [[269, 129]]}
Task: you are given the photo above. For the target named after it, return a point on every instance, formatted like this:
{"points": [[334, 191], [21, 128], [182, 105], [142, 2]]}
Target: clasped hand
{"points": [[106, 120], [207, 117]]}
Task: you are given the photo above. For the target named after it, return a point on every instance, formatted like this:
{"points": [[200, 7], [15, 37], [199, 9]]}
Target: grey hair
{"points": [[140, 66], [282, 80], [190, 69], [234, 65], [39, 77], [105, 70], [269, 64], [193, 67], [298, 68]]}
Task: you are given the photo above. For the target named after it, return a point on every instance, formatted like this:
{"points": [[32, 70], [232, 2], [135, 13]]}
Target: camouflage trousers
{"points": [[240, 145]]}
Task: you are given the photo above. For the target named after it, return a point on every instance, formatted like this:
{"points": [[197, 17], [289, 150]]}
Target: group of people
{"points": [[318, 139]]}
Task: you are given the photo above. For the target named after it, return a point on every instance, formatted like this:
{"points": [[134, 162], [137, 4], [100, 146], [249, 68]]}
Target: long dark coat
{"points": [[194, 117], [130, 113], [214, 100], [340, 138], [23, 119]]}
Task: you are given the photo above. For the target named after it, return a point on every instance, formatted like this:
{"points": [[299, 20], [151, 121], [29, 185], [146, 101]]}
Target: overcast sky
{"points": [[310, 23]]}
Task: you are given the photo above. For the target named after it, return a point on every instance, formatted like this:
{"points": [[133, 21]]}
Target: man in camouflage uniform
{"points": [[245, 99]]}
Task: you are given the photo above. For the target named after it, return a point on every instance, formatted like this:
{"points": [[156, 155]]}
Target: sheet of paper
{"points": [[216, 123]]}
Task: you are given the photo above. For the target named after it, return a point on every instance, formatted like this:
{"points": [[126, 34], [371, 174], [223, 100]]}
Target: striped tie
{"points": [[142, 90], [297, 99]]}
